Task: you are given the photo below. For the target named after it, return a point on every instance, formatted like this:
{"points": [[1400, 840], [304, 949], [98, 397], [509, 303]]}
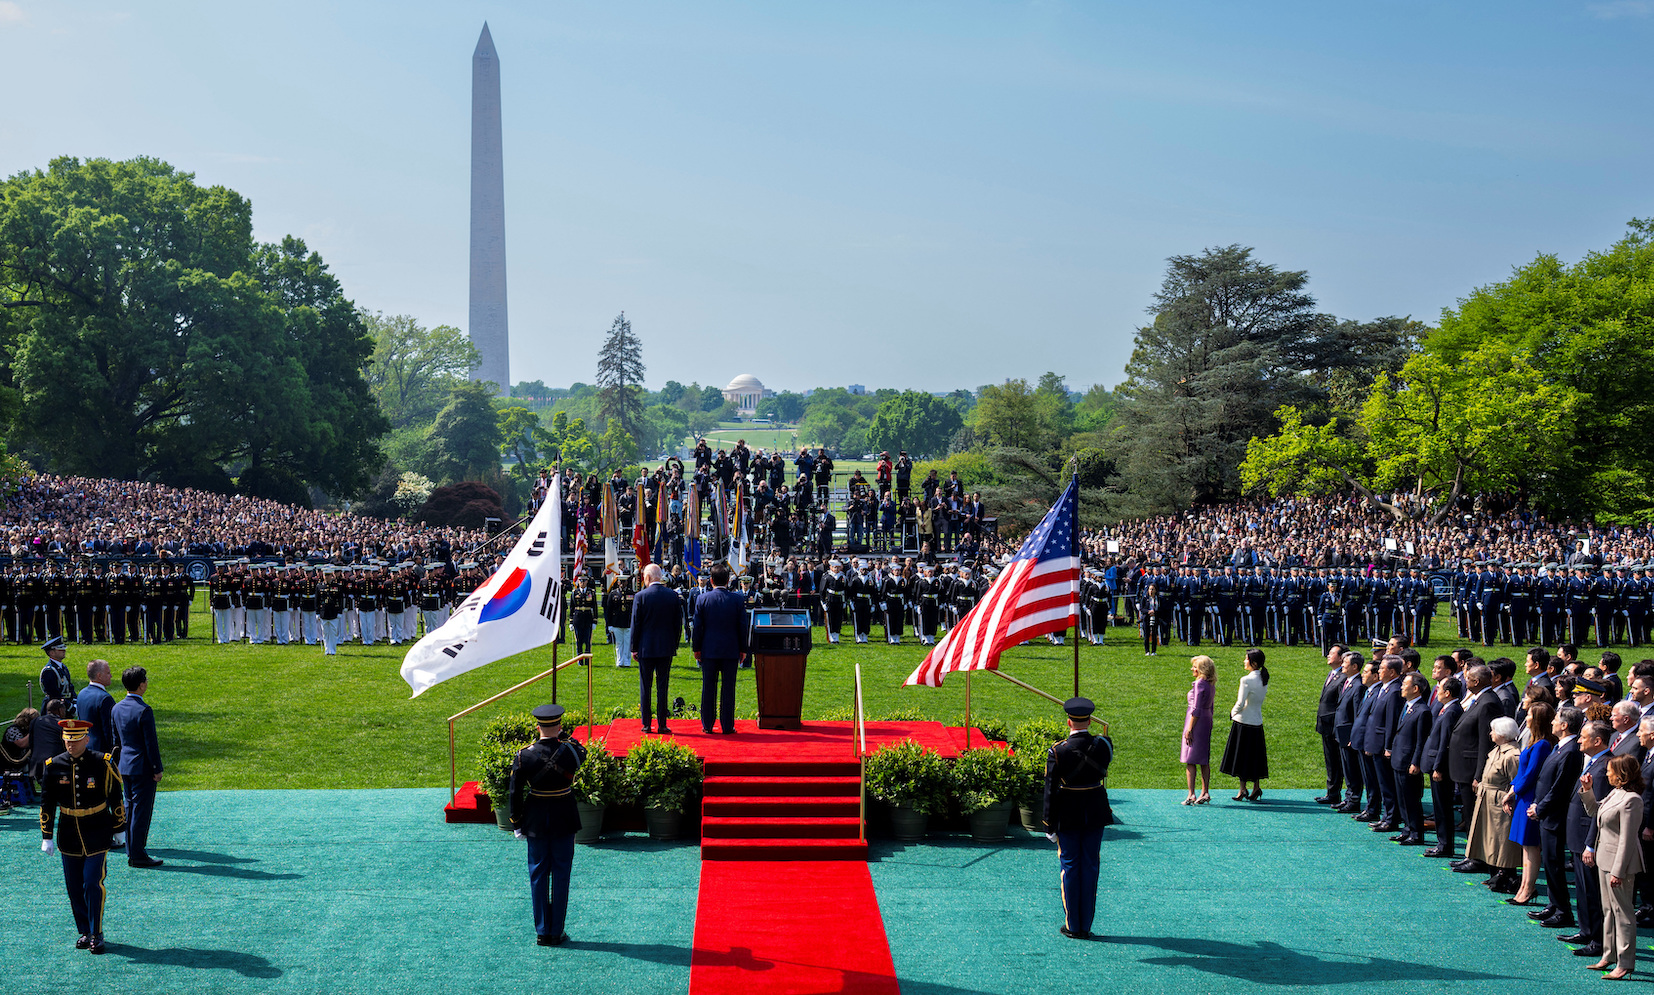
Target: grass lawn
{"points": [[239, 716]]}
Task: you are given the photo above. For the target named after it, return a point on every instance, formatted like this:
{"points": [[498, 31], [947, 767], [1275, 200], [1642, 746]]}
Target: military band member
{"points": [[835, 590], [258, 605], [1077, 811], [82, 803], [434, 598], [583, 612], [926, 609], [308, 604], [330, 610], [543, 812], [218, 599], [396, 607], [367, 605]]}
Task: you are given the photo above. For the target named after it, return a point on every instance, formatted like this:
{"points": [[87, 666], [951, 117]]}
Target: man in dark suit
{"points": [[139, 763], [1553, 789], [1369, 812], [1380, 730], [1582, 830], [657, 620], [719, 642], [1504, 685], [96, 706], [1326, 715], [1406, 756], [1471, 743], [1435, 766], [543, 812], [1645, 880], [1077, 812], [1624, 718], [1350, 696]]}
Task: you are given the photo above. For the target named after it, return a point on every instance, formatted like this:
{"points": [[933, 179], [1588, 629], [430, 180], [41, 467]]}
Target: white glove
{"points": [[47, 846], [518, 833], [119, 839], [1051, 836]]}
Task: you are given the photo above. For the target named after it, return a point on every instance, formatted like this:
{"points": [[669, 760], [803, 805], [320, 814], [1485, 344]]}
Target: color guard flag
{"points": [[692, 528], [640, 531], [518, 608], [1037, 592], [611, 537], [579, 548]]}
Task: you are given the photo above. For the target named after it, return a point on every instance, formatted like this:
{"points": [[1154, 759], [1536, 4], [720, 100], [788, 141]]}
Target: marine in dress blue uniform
{"points": [[1076, 813], [543, 813], [81, 803]]}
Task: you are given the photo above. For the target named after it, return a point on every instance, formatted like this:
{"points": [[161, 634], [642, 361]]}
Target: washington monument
{"points": [[489, 332]]}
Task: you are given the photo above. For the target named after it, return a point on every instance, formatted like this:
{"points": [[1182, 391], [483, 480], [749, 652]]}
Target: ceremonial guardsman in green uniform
{"points": [[82, 795], [1076, 812], [543, 813]]}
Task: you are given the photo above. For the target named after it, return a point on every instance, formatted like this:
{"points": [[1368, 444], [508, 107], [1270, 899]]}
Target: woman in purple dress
{"points": [[1197, 728]]}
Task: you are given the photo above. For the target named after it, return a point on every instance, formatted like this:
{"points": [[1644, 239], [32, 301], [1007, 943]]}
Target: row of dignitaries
{"points": [[97, 795], [1552, 780], [718, 637]]}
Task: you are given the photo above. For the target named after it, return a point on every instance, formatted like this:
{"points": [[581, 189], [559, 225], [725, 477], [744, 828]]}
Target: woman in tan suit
{"points": [[1618, 858], [1489, 839]]}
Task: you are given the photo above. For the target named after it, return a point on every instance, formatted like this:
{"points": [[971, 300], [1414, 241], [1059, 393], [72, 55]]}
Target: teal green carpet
{"points": [[368, 891], [341, 892], [1227, 897]]}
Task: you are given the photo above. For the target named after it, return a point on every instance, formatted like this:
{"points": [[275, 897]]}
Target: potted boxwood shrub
{"points": [[600, 782], [666, 776], [987, 782], [912, 781], [1031, 742], [502, 737]]}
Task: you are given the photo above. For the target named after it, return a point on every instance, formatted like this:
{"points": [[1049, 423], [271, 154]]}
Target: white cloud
{"points": [[11, 13], [1616, 9]]}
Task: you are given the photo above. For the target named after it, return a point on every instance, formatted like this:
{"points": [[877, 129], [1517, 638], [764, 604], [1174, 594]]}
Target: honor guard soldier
{"points": [[308, 598], [543, 812], [835, 589], [1077, 812], [55, 681], [330, 611], [81, 801]]}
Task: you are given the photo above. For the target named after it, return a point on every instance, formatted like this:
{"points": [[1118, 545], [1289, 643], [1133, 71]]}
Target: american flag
{"points": [[1038, 592], [579, 548]]}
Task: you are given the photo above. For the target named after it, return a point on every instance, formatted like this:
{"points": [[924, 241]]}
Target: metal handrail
{"points": [[860, 733], [453, 765]]}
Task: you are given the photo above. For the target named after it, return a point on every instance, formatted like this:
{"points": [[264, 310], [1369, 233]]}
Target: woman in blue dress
{"points": [[1524, 832]]}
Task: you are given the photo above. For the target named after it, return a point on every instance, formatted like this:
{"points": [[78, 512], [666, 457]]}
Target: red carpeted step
{"points": [[783, 849], [838, 785], [750, 827], [781, 805], [470, 804], [978, 741], [781, 768]]}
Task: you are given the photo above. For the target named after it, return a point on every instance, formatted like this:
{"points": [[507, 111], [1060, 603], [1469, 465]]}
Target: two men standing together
{"points": [[719, 640]]}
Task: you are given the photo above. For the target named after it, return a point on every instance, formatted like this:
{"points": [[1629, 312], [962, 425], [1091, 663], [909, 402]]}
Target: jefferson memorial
{"points": [[745, 391]]}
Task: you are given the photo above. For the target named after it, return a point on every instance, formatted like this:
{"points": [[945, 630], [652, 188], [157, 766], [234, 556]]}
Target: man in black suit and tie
{"points": [[657, 619], [1357, 741], [1407, 756], [1326, 716], [1472, 741], [1624, 719], [139, 764], [1504, 685], [1380, 730], [1437, 750], [1350, 696], [1553, 790], [719, 641], [95, 705], [1582, 834], [1645, 880]]}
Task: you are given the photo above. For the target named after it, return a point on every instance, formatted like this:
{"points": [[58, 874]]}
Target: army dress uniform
{"points": [[82, 803], [543, 812], [1076, 813]]}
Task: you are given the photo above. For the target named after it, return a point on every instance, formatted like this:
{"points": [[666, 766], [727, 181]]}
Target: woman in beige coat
{"points": [[1489, 838], [1618, 858]]}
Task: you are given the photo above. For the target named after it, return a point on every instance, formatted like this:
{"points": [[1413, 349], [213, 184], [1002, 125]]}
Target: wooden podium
{"points": [[780, 649]]}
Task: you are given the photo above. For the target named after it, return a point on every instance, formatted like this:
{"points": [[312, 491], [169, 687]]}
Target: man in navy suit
{"points": [[95, 705], [1446, 713], [719, 642], [1358, 736], [1326, 717], [1413, 727], [1472, 742], [1582, 833], [1553, 790], [1380, 729], [1351, 693], [139, 764], [657, 618]]}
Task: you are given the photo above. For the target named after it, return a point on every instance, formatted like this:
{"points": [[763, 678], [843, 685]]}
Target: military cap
{"points": [[73, 729], [1079, 708], [1584, 685], [54, 643], [549, 715]]}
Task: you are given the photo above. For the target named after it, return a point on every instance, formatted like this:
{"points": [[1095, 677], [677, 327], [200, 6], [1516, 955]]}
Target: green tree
{"points": [[916, 422], [1015, 415], [414, 369], [532, 390], [520, 440], [673, 392], [145, 334], [620, 377], [828, 424], [615, 448], [569, 442], [465, 439]]}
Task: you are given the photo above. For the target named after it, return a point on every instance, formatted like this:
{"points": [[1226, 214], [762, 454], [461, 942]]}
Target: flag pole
{"points": [[557, 541], [967, 709], [1075, 539]]}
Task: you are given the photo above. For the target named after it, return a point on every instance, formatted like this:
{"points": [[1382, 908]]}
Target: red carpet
{"points": [[789, 928], [816, 741]]}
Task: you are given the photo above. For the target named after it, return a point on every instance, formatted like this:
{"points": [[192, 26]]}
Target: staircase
{"points": [[758, 810]]}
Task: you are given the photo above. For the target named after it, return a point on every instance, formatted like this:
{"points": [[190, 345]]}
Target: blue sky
{"points": [[924, 195]]}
